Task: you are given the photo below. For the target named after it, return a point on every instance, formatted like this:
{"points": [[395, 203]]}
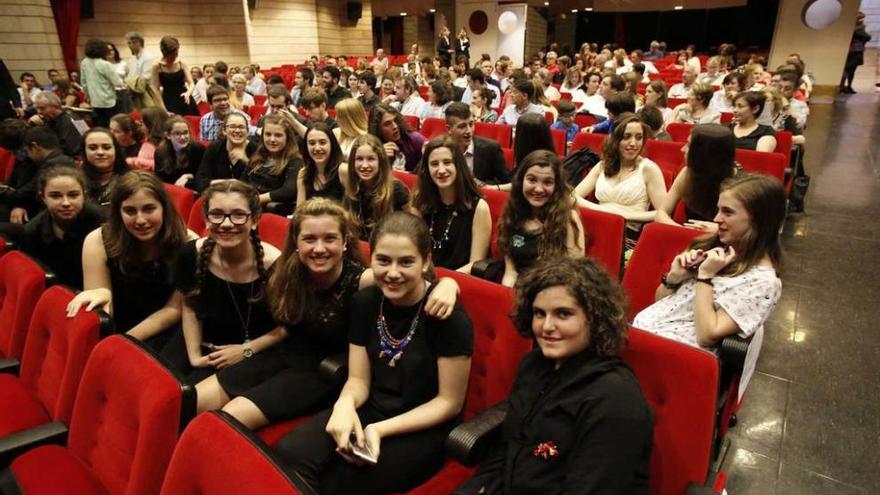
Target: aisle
{"points": [[811, 419]]}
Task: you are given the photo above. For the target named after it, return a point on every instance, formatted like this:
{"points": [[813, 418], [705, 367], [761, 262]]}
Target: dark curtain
{"points": [[66, 14]]}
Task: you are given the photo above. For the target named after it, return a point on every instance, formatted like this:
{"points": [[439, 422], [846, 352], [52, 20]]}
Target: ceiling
{"points": [[389, 8]]}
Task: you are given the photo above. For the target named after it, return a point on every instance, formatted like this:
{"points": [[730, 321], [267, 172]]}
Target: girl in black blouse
{"points": [[127, 263], [371, 191], [226, 317], [178, 156], [273, 168], [449, 201], [103, 163], [749, 134], [227, 157], [407, 378], [55, 235], [128, 133], [576, 418], [324, 167]]}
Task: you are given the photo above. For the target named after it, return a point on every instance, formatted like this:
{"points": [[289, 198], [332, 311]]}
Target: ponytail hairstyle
{"points": [[203, 259], [154, 122], [290, 293], [764, 198]]}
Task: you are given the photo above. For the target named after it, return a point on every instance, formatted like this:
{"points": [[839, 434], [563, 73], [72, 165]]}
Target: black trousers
{"points": [[405, 461]]}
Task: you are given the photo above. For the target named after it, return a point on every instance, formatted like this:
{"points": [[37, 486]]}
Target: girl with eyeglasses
{"points": [[229, 156], [178, 156]]}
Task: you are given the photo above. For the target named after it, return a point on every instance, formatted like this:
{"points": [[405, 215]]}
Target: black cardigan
{"points": [[166, 162], [215, 164]]}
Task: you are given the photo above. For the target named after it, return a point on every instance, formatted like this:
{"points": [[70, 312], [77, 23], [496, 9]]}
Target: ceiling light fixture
{"points": [[574, 11], [432, 10], [678, 7], [403, 14], [588, 9]]}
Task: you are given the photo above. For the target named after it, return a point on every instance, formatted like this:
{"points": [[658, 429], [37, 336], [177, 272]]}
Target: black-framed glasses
{"points": [[236, 217]]}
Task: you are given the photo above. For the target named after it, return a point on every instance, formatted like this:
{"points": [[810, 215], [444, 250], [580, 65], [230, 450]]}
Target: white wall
{"points": [[513, 44], [488, 41]]}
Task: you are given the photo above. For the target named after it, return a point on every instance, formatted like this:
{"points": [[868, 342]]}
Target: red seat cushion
{"points": [[273, 433], [19, 409], [52, 470]]}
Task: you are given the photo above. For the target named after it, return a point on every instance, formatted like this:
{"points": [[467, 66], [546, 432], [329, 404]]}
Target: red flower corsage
{"points": [[546, 450]]}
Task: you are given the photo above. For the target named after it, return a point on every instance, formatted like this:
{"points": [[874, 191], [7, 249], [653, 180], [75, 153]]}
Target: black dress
{"points": [[583, 428], [169, 166], [332, 189], [216, 165], [283, 381], [173, 85], [281, 187], [406, 460], [452, 235], [750, 141], [363, 209], [524, 248]]}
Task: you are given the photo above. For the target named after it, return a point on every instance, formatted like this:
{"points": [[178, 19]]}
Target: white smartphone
{"points": [[363, 454]]}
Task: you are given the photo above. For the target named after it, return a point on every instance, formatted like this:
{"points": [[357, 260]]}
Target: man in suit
{"points": [[444, 48], [484, 156]]}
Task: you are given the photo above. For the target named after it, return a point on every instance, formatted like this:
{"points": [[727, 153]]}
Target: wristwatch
{"points": [[248, 352]]}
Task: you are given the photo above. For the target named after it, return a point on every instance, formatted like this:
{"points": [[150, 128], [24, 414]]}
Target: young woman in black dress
{"points": [[127, 263], [274, 166], [324, 166], [407, 378], [171, 79], [449, 201]]}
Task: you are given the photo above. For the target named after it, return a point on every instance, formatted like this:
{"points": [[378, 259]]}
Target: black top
{"points": [[363, 209], [222, 307], [452, 235], [215, 164], [100, 193], [169, 166], [369, 103], [62, 256], [324, 330], [412, 381], [173, 86], [489, 164], [68, 135], [23, 181], [524, 248], [132, 150], [281, 187], [333, 97], [139, 291], [593, 412], [750, 141], [332, 189]]}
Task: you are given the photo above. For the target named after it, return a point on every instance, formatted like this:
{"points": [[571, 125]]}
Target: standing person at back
{"points": [[100, 80], [444, 48]]}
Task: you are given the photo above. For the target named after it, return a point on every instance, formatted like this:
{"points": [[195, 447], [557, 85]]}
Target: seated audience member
{"points": [[330, 77], [480, 109], [696, 110], [366, 88], [566, 120], [178, 157], [655, 96], [733, 84], [535, 135], [683, 89], [128, 263], [543, 85], [128, 133], [751, 135], [50, 114], [521, 92], [726, 283], [28, 91], [633, 79], [540, 220], [709, 156], [228, 156], [279, 102], [314, 101], [652, 118], [654, 53], [591, 100], [713, 75], [788, 85], [239, 98], [402, 146], [154, 124], [353, 85], [324, 166], [303, 80], [211, 122], [477, 81], [575, 385], [200, 90], [55, 235], [274, 166], [483, 157], [352, 121], [440, 96], [371, 191], [19, 201], [103, 164], [624, 182], [572, 83], [781, 117], [69, 96], [225, 314], [448, 199], [400, 414], [254, 85], [615, 105], [406, 97], [638, 57], [692, 60], [610, 85]]}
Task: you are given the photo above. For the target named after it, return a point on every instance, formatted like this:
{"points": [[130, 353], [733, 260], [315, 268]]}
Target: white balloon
{"points": [[819, 14], [507, 22]]}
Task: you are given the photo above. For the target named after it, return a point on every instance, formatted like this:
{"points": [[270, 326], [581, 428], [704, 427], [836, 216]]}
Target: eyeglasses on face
{"points": [[217, 217], [236, 127]]}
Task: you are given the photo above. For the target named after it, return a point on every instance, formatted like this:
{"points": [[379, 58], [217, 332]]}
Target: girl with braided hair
{"points": [[225, 316]]}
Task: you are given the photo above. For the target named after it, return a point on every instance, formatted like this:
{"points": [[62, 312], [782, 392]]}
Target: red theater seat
{"points": [[595, 142], [678, 131], [7, 163], [55, 355], [256, 112], [204, 107], [22, 282], [584, 120], [499, 132], [260, 99], [558, 141], [604, 234], [217, 455], [194, 130], [412, 121], [196, 221], [772, 164], [273, 229], [433, 127], [128, 414], [409, 179], [182, 198], [668, 155], [508, 158]]}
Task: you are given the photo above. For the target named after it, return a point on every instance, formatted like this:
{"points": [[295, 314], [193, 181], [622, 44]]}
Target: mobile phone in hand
{"points": [[364, 454]]}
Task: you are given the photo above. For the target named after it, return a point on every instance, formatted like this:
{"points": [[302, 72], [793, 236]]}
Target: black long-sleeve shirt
{"points": [[584, 428], [216, 165]]}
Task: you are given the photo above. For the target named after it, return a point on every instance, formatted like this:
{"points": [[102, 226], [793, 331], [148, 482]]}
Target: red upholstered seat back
{"points": [[182, 199], [604, 234], [217, 456], [558, 141], [56, 351], [495, 200], [433, 127], [195, 132], [783, 144], [772, 164], [666, 154], [196, 221], [273, 229], [679, 131], [658, 245], [127, 418], [499, 132], [595, 142], [497, 346], [412, 121], [22, 281], [680, 383], [7, 163], [409, 179]]}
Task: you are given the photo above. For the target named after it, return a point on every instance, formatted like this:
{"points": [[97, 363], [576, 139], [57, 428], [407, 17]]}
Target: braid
{"points": [[202, 263], [261, 269]]}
